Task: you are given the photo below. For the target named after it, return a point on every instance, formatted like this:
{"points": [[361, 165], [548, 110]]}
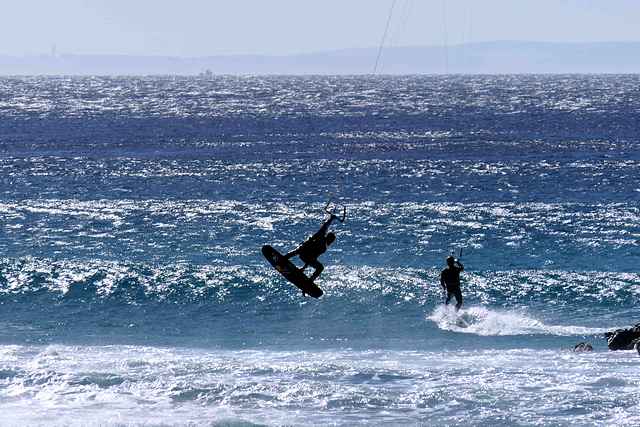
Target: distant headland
{"points": [[500, 57]]}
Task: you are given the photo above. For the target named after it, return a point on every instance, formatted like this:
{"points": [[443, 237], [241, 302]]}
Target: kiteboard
{"points": [[461, 322], [291, 272]]}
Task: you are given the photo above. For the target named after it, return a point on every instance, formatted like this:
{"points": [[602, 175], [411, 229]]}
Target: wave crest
{"points": [[485, 321]]}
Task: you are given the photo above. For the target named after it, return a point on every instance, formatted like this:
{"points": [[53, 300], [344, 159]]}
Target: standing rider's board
{"points": [[291, 272]]}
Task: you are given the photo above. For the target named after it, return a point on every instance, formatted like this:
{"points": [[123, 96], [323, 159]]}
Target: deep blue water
{"points": [[134, 210]]}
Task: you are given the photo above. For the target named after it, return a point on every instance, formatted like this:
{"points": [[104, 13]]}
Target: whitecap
{"points": [[485, 321]]}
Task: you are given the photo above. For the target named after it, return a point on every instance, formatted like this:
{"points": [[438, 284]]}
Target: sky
{"points": [[200, 28]]}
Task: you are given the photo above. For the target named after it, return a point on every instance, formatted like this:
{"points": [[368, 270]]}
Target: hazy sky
{"points": [[196, 28]]}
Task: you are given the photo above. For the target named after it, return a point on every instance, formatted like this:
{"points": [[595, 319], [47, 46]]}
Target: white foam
{"points": [[481, 320]]}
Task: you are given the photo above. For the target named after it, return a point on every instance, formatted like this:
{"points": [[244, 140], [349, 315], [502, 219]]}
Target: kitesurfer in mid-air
{"points": [[450, 281], [313, 247]]}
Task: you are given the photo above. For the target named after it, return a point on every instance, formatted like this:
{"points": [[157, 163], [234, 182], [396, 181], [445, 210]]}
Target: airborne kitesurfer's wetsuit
{"points": [[450, 281], [313, 247]]}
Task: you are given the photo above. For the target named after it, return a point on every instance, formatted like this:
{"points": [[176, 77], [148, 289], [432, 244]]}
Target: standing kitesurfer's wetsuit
{"points": [[313, 247], [450, 281]]}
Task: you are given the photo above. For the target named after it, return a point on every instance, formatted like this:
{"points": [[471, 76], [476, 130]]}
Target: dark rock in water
{"points": [[621, 339], [636, 344], [583, 346]]}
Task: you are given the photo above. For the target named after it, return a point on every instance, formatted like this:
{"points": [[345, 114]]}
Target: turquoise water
{"points": [[133, 290]]}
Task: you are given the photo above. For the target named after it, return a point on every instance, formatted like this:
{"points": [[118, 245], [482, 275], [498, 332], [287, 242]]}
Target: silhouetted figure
{"points": [[313, 247], [450, 281]]}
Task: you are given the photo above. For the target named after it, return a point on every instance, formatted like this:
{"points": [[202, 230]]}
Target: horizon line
{"points": [[58, 55]]}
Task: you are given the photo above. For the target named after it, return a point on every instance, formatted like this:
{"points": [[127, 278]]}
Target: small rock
{"points": [[583, 346]]}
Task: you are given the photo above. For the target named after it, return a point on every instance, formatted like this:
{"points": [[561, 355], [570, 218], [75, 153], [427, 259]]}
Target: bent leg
{"points": [[292, 253], [319, 267]]}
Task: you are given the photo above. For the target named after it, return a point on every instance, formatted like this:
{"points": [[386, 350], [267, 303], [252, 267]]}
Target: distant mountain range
{"points": [[501, 57]]}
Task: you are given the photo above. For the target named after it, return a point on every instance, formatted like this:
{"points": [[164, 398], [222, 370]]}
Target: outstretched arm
{"points": [[460, 264], [325, 226]]}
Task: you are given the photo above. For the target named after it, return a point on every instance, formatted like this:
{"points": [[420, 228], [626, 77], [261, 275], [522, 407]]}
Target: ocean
{"points": [[133, 291]]}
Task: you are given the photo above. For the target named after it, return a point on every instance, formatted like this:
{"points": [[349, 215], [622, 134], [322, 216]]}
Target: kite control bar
{"points": [[344, 214], [326, 208]]}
